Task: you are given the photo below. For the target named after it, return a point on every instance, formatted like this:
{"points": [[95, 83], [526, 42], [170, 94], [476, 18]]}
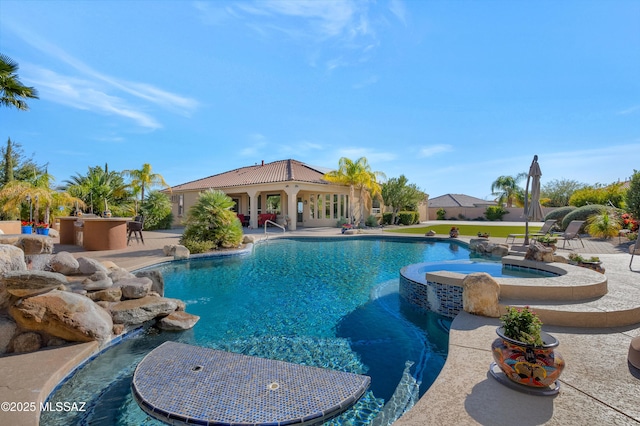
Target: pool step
{"points": [[606, 311]]}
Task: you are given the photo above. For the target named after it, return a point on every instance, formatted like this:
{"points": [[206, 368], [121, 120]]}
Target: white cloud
{"points": [[94, 90], [86, 95], [432, 150], [629, 110], [371, 156], [367, 82], [398, 8]]}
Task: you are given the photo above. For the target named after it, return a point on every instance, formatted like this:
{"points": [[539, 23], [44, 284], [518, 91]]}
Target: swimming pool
{"points": [[322, 302]]}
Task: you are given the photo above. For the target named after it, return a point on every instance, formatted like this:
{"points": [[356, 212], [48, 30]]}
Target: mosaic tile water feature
{"points": [[205, 386], [330, 304]]}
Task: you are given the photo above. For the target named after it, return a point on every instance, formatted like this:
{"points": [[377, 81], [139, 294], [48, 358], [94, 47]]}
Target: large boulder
{"points": [[64, 263], [31, 283], [138, 311], [117, 274], [177, 321], [177, 251], [135, 288], [11, 259], [157, 280], [480, 295], [88, 266], [64, 314], [540, 253], [27, 342], [8, 328], [97, 281], [113, 294], [35, 244]]}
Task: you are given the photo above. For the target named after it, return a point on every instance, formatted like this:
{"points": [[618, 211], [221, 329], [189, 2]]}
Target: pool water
{"points": [[320, 302]]}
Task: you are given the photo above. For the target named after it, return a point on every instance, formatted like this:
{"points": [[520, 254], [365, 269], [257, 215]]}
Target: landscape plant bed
{"points": [[497, 231]]}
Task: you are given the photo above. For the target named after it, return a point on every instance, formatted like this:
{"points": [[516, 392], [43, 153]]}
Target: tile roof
{"points": [[277, 171], [458, 200]]}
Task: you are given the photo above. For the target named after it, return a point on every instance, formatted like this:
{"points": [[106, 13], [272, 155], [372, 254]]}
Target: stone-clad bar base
{"points": [[183, 384]]}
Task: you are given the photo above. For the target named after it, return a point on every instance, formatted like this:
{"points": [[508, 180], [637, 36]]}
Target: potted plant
{"points": [[592, 262], [26, 227], [454, 232], [525, 353], [483, 234], [547, 240], [42, 228]]}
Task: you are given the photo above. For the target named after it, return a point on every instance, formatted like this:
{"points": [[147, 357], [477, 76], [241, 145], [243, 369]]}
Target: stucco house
{"points": [[457, 205], [292, 192]]}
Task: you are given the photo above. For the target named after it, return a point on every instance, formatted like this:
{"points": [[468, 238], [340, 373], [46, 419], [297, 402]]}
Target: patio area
{"points": [[597, 387]]}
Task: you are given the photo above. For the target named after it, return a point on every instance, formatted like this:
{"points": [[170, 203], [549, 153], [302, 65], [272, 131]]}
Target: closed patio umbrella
{"points": [[533, 209]]}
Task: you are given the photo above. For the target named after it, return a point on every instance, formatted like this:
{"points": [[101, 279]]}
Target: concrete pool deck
{"points": [[597, 386]]}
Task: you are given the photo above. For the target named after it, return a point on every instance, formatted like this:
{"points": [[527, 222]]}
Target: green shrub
{"points": [[210, 219], [495, 212], [156, 209], [441, 213], [371, 221], [386, 218], [407, 218], [196, 246], [582, 213], [559, 214], [604, 224]]}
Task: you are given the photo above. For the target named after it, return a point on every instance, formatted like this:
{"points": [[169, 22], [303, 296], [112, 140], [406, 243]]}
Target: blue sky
{"points": [[452, 94]]}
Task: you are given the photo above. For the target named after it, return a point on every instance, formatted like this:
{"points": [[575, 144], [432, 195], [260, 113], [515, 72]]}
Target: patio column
{"points": [[253, 203], [292, 212]]}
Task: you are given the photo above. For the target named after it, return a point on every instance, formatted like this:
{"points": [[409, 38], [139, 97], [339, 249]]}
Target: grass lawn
{"points": [[468, 230]]}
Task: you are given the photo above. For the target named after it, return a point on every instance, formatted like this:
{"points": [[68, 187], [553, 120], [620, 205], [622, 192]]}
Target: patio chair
{"points": [[135, 227], [571, 233], [546, 228], [634, 250]]}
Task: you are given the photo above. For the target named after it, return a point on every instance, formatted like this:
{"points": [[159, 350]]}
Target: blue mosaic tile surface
{"points": [[180, 383]]}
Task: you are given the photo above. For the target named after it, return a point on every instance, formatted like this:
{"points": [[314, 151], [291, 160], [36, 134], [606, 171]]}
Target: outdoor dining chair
{"points": [[135, 228]]}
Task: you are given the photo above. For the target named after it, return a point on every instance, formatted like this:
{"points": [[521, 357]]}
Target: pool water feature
{"points": [[320, 302]]}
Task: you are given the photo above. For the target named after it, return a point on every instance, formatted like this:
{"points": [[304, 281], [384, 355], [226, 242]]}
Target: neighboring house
{"points": [[294, 192], [458, 205]]}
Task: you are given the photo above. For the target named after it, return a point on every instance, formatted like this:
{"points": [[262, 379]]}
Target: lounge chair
{"points": [[546, 228], [635, 250], [571, 232]]}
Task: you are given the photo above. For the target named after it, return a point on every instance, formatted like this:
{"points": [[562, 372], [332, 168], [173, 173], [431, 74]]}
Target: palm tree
{"points": [[99, 188], [11, 89], [142, 179], [39, 191], [211, 219], [507, 189], [357, 175]]}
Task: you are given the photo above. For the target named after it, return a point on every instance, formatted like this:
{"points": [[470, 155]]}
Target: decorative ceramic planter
{"points": [[26, 230], [42, 231], [529, 365]]}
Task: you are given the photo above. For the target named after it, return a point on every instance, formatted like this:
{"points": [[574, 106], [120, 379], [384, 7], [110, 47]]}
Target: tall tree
{"points": [[100, 189], [398, 194], [632, 196], [143, 178], [12, 91], [558, 192], [357, 175], [15, 165], [507, 190]]}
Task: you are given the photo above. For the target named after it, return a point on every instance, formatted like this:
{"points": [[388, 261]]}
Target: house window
{"points": [[273, 203], [312, 206], [327, 206], [342, 212], [319, 206], [236, 205], [335, 206], [259, 204], [180, 204], [375, 207]]}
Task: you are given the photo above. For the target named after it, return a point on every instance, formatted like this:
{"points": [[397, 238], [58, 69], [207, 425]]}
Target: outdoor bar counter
{"points": [[98, 233]]}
